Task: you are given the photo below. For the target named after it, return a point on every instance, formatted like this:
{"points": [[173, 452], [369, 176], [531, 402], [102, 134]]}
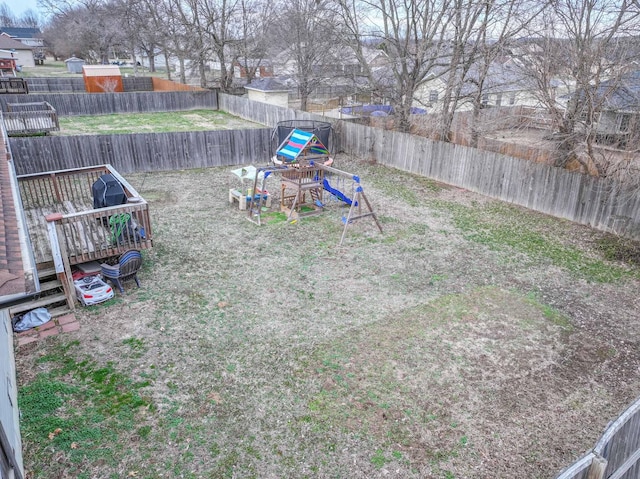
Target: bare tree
{"points": [[176, 40], [413, 33], [7, 17], [142, 27], [88, 29], [579, 50], [29, 19], [307, 41], [250, 50]]}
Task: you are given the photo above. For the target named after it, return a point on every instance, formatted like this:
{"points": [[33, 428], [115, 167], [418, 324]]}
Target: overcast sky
{"points": [[18, 7]]}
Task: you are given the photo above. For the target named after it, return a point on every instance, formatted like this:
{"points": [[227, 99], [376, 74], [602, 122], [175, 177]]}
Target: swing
{"points": [[337, 194]]}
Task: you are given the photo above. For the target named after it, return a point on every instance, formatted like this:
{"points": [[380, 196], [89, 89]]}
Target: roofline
{"points": [[258, 89]]}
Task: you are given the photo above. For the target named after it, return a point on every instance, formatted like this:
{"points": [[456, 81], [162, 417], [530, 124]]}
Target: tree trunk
{"points": [[167, 66], [403, 122], [475, 121], [183, 74], [202, 73]]}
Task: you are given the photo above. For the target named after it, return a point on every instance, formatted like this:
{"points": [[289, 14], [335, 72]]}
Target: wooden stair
{"points": [[51, 296]]}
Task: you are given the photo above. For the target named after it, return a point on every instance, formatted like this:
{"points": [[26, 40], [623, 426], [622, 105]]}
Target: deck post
{"points": [[61, 260], [56, 187]]}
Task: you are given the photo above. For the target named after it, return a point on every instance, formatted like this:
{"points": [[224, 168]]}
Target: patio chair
{"points": [[126, 269]]}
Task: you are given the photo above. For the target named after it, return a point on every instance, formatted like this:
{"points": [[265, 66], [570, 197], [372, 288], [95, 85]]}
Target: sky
{"points": [[18, 7]]}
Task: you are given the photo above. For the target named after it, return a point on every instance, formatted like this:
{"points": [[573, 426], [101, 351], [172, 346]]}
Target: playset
{"points": [[308, 181]]}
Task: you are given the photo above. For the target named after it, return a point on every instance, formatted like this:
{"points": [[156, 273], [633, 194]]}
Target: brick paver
{"points": [[62, 324], [67, 318], [68, 327]]}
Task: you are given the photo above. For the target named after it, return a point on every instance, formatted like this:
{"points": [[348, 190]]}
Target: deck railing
{"points": [[13, 85], [55, 188], [30, 118], [84, 233], [105, 232]]}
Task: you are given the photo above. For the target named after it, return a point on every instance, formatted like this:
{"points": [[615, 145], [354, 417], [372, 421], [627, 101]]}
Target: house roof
{"points": [[20, 32], [266, 84], [500, 78], [7, 43], [616, 94], [622, 94], [101, 70]]}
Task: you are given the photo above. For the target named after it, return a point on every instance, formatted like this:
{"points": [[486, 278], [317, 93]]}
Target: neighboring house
{"points": [[504, 85], [31, 37], [619, 118], [268, 90], [340, 75], [28, 36], [22, 53]]}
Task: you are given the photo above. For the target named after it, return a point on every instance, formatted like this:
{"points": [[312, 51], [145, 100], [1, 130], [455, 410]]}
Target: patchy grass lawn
{"points": [[192, 120], [471, 339]]}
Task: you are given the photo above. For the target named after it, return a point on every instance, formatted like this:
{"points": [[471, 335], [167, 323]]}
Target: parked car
{"points": [[92, 290]]}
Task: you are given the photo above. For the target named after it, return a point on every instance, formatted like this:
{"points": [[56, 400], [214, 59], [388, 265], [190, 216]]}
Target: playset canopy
{"points": [[300, 146]]}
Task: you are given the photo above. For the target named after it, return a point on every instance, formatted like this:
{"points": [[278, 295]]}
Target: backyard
{"points": [[472, 339], [157, 122]]}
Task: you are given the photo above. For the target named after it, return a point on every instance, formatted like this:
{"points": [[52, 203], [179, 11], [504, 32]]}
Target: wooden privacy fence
{"points": [[142, 151], [76, 85], [602, 204], [109, 103], [617, 453]]}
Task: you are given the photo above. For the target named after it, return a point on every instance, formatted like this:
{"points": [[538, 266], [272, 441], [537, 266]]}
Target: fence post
{"points": [[597, 468]]}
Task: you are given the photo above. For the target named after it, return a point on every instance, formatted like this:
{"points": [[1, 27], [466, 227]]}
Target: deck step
{"points": [[39, 303], [59, 311], [46, 273], [50, 285]]}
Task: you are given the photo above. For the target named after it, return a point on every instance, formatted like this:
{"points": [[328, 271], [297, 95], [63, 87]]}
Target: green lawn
{"points": [[159, 122]]}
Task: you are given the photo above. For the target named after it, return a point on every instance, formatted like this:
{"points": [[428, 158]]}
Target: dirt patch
{"points": [[470, 339]]}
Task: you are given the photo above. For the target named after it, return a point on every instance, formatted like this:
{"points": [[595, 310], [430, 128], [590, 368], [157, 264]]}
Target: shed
{"points": [[268, 90], [102, 78], [74, 64]]}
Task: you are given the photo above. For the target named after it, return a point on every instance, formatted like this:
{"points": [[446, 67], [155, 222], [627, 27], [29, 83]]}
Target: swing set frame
{"points": [[313, 174]]}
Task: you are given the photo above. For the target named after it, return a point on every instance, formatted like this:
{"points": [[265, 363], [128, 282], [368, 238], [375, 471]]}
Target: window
{"points": [[433, 96], [512, 98], [623, 123], [498, 99], [485, 99]]}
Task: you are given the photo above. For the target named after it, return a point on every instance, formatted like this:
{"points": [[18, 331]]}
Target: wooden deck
{"points": [[30, 118], [83, 233]]}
